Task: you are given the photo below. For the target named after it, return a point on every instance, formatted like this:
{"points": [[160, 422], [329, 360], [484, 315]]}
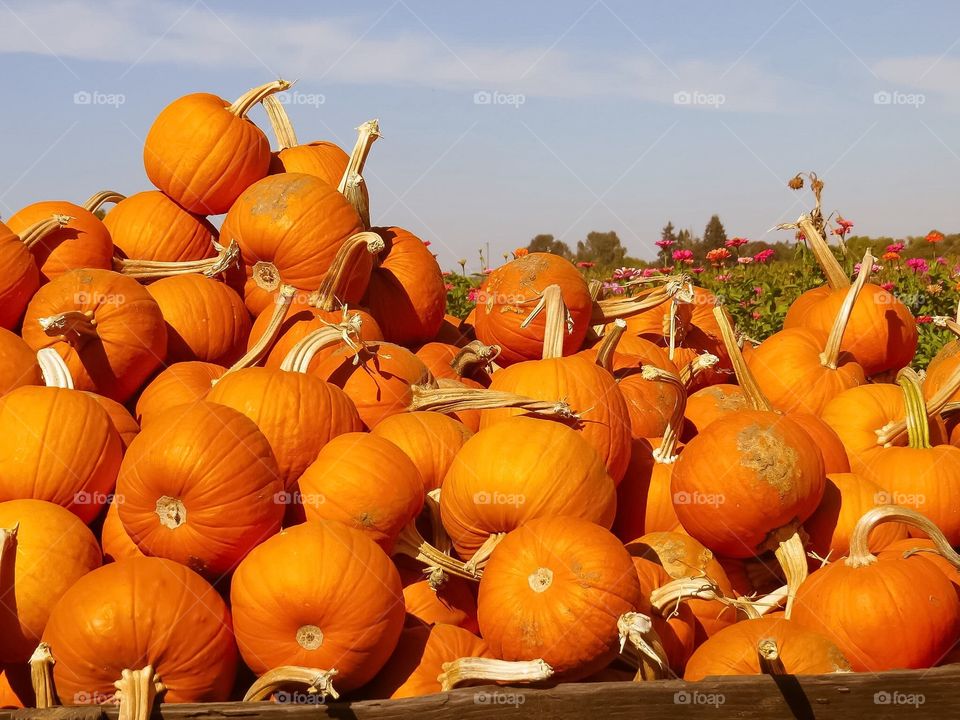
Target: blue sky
{"points": [[603, 115]]}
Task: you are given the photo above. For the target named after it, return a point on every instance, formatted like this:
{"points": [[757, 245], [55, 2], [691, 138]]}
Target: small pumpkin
{"points": [[21, 276], [452, 603], [183, 383], [429, 439], [114, 540], [712, 402], [324, 159], [150, 226], [18, 363]]}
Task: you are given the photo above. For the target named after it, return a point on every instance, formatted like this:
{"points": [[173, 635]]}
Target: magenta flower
{"points": [[941, 260], [624, 273], [683, 256], [764, 255], [873, 268], [924, 319], [664, 244], [736, 242], [758, 291], [896, 247], [888, 286], [650, 272], [723, 278], [918, 265]]}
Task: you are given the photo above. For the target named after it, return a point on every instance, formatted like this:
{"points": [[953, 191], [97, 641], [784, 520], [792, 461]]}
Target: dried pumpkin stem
{"points": [[831, 352], [608, 347], [352, 183], [479, 560], [768, 655], [241, 106], [280, 122], [474, 356], [54, 370], [225, 258], [342, 268], [836, 277], [136, 691], [677, 288], [667, 452], [104, 197], [259, 350], [318, 682], [665, 598], [768, 602], [793, 559], [860, 554], [454, 399], [558, 321], [411, 543], [474, 669], [73, 326], [41, 677], [645, 646], [938, 403], [701, 363], [302, 354], [744, 377], [431, 506], [39, 230]]}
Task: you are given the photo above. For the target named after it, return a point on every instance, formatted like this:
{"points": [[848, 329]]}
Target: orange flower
{"points": [[889, 256], [520, 252], [934, 237]]}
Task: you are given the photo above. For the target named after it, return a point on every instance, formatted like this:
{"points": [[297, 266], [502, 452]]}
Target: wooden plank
{"points": [[917, 694]]}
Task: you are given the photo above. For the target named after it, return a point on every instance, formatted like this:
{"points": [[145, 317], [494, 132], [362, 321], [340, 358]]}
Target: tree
{"points": [[685, 239], [714, 236], [602, 248], [549, 244], [667, 233]]}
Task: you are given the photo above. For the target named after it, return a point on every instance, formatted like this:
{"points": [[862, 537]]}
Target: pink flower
{"points": [[755, 315], [918, 265], [613, 288], [723, 278], [888, 286], [873, 268], [624, 273], [736, 242], [924, 319], [585, 264], [446, 273], [941, 260], [896, 247], [758, 291], [745, 260], [845, 224], [664, 244], [650, 272], [448, 286], [683, 256], [474, 295], [426, 243], [764, 255], [696, 270]]}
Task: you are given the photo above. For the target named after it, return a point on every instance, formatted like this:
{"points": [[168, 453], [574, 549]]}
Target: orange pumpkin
{"points": [[127, 428], [348, 617], [182, 383], [21, 277], [203, 152], [675, 627], [834, 454], [114, 540], [517, 470], [338, 485], [712, 402], [452, 603], [46, 549], [856, 414], [105, 326], [467, 364], [429, 439], [454, 331], [151, 226], [138, 612], [534, 602], [18, 363], [324, 159], [200, 485], [15, 688]]}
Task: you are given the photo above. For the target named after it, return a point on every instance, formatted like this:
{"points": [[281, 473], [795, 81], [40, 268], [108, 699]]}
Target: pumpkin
{"points": [[429, 439], [183, 383], [114, 540], [150, 226], [735, 650], [18, 363], [298, 414], [206, 320], [340, 485], [324, 159], [927, 549], [509, 295], [348, 617], [106, 327], [203, 152], [856, 601], [21, 277], [517, 470], [554, 589], [289, 228], [676, 625], [200, 485], [856, 415], [60, 446], [468, 364], [407, 293], [83, 242], [102, 626], [44, 549], [712, 402], [834, 454], [123, 422], [452, 603]]}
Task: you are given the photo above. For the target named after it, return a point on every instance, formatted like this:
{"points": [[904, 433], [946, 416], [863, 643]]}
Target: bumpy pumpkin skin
{"points": [[431, 440], [203, 156], [554, 589], [60, 446], [137, 612], [200, 485], [323, 159], [349, 617], [770, 476], [517, 470], [184, 383], [131, 336], [20, 278], [83, 243], [18, 363], [733, 650], [53, 549], [151, 226], [510, 293]]}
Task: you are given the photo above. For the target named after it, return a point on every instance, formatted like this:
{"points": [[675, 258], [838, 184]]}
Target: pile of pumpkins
{"points": [[263, 463]]}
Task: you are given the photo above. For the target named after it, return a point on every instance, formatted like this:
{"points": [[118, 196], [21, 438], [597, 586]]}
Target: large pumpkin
{"points": [[138, 612], [106, 327], [151, 226], [203, 151], [347, 618], [200, 485]]}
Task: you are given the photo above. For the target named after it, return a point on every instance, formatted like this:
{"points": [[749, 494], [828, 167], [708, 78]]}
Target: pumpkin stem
{"points": [[938, 403], [793, 559], [137, 690], [918, 424], [480, 558], [768, 654], [558, 321], [431, 506], [831, 352], [689, 372], [41, 677], [54, 370], [259, 349], [645, 648], [39, 230], [411, 543], [860, 554], [745, 378], [241, 106], [767, 603], [836, 277], [667, 452], [98, 200], [317, 682], [474, 356], [342, 267], [302, 354], [225, 258], [608, 347], [280, 122], [352, 183], [678, 288], [454, 399], [72, 326], [473, 669]]}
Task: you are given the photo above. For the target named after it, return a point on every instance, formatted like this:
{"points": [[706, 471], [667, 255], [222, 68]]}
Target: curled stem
{"points": [[608, 348], [98, 200], [793, 559], [558, 321], [73, 326], [302, 354], [768, 655], [225, 258], [271, 333], [41, 677], [860, 554], [454, 399], [645, 646], [342, 267], [241, 106], [352, 185], [677, 288], [689, 372], [667, 452], [39, 230], [54, 370], [411, 543], [317, 682], [744, 377], [136, 692], [280, 122]]}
